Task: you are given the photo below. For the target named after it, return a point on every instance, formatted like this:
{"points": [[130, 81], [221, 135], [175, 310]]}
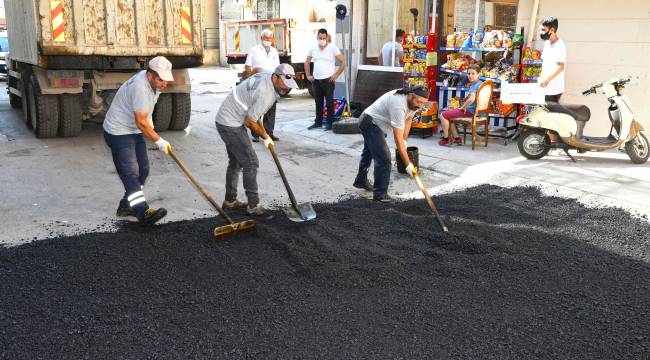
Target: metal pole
{"points": [[533, 20], [393, 62], [478, 6]]}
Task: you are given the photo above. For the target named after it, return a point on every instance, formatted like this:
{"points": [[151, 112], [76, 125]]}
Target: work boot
{"points": [[255, 139], [256, 211], [367, 186], [383, 198], [234, 205], [124, 209], [314, 126], [327, 126], [151, 216]]}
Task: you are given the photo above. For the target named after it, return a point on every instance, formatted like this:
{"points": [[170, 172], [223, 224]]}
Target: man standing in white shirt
{"points": [[264, 58], [324, 76], [386, 53], [553, 59]]}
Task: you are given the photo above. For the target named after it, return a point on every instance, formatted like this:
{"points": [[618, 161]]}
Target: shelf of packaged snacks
{"points": [[489, 49], [414, 60], [414, 46], [465, 74], [414, 76], [532, 62], [456, 88], [531, 78]]}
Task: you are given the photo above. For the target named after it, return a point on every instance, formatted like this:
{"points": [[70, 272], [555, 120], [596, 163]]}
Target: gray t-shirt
{"points": [[253, 97], [389, 111], [134, 95]]}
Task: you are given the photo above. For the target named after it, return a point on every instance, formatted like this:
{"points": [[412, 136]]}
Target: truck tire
{"points": [[347, 125], [14, 100], [182, 111], [43, 110], [70, 115], [162, 113]]}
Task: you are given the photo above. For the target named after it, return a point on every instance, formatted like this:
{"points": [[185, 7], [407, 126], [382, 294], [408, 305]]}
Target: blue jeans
{"points": [[374, 148], [132, 165]]}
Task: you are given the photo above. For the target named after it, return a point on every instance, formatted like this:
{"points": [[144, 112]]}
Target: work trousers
{"points": [[268, 120], [324, 89], [375, 148], [241, 157], [132, 165]]}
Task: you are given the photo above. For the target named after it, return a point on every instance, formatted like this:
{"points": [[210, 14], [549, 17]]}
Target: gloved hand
{"points": [[411, 170], [268, 142], [164, 146]]}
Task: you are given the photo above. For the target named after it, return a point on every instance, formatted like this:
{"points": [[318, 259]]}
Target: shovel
{"points": [[430, 201], [220, 231], [297, 212]]}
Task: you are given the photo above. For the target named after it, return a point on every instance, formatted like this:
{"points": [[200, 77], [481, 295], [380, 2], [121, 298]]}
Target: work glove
{"points": [[411, 170], [164, 146], [268, 142]]}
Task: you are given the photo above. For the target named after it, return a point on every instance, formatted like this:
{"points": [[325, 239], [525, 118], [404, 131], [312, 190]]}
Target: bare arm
{"points": [[142, 122], [339, 71], [256, 126], [470, 100], [308, 68], [407, 125]]}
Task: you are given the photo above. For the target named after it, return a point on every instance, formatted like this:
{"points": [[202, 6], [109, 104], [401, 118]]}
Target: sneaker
{"points": [[256, 139], [458, 141], [444, 141], [233, 205], [383, 198], [256, 211], [314, 126], [124, 209], [151, 216], [367, 186], [274, 138]]}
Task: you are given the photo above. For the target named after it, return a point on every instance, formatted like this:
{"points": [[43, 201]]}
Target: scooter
{"points": [[567, 123]]}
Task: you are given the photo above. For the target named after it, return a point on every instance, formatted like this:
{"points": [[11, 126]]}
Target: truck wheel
{"points": [[14, 100], [44, 111], [70, 116], [182, 111], [638, 149], [162, 113]]}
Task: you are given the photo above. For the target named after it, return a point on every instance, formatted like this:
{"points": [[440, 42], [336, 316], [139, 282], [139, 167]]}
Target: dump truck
{"points": [[69, 57]]}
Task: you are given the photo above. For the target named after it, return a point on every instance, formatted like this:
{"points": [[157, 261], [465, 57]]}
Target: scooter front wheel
{"points": [[637, 149], [533, 144]]}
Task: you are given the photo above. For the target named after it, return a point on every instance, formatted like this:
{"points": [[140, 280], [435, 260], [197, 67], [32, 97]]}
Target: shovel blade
{"points": [[306, 212]]}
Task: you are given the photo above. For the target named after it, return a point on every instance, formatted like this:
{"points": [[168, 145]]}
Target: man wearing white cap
{"points": [[243, 108], [127, 122]]}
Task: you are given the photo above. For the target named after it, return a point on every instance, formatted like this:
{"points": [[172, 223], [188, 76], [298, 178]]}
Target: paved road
{"points": [[63, 186]]}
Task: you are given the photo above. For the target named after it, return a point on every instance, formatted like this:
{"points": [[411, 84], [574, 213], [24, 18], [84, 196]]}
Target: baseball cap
{"points": [[163, 67], [419, 90], [287, 74]]}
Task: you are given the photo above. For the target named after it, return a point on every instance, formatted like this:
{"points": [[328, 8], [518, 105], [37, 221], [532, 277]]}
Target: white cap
{"points": [[163, 67], [287, 74]]}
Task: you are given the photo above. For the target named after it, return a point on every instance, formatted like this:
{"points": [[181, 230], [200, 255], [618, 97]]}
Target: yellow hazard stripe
{"points": [[237, 40], [58, 23], [186, 26]]}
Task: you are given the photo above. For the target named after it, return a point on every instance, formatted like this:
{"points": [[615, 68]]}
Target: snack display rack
{"points": [[453, 82], [420, 68]]}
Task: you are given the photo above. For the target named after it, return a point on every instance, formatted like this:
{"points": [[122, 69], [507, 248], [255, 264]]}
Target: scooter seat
{"points": [[578, 112]]}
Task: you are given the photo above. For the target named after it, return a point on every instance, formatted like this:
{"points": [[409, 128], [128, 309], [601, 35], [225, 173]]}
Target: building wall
{"points": [[465, 12], [604, 39]]}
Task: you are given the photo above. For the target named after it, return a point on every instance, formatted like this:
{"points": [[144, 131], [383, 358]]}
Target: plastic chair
{"points": [[483, 96]]}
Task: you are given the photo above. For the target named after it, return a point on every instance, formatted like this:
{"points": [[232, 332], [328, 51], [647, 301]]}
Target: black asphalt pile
{"points": [[519, 276]]}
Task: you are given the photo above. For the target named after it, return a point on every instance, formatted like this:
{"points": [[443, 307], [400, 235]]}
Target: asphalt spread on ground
{"points": [[520, 275]]}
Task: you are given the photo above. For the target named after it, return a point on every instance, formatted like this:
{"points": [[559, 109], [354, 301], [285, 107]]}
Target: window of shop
{"points": [[384, 18]]}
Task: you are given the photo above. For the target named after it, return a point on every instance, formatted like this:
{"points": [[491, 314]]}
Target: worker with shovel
{"points": [[243, 108], [391, 113], [128, 121]]}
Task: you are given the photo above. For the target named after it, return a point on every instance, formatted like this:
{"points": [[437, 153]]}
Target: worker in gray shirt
{"points": [[128, 121], [392, 114], [243, 108]]}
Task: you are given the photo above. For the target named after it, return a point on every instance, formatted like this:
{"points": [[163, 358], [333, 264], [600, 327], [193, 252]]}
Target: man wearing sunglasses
{"points": [[243, 108]]}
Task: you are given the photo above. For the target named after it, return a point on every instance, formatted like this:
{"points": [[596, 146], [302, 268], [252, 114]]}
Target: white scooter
{"points": [[567, 122]]}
